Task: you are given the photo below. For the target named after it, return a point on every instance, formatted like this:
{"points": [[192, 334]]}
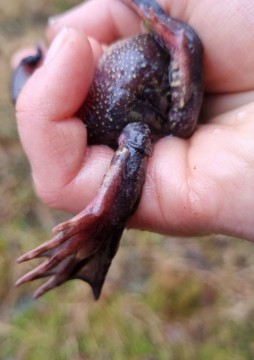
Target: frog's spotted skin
{"points": [[145, 87], [131, 84]]}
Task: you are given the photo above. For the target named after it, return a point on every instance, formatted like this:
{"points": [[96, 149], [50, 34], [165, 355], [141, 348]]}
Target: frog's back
{"points": [[130, 84]]}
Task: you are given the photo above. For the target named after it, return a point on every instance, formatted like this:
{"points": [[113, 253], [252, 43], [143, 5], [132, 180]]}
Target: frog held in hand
{"points": [[145, 87]]}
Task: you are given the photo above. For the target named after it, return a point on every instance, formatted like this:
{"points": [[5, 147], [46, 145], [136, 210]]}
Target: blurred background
{"points": [[164, 298]]}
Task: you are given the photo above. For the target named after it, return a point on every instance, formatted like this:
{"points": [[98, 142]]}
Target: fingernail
{"points": [[56, 45]]}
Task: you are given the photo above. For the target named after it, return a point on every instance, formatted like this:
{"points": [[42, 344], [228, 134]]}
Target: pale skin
{"points": [[197, 186]]}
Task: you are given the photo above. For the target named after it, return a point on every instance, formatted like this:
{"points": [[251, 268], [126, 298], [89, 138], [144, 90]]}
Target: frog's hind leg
{"points": [[84, 246], [186, 64]]}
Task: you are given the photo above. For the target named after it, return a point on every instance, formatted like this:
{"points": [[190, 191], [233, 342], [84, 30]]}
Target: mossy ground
{"points": [[165, 298]]}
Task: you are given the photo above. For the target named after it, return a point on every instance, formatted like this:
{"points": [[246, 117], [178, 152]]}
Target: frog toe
{"points": [[82, 250]]}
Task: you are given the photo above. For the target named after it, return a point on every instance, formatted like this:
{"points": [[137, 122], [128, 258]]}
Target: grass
{"points": [[165, 298]]}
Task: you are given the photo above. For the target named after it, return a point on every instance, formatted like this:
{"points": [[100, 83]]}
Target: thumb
{"points": [[53, 139]]}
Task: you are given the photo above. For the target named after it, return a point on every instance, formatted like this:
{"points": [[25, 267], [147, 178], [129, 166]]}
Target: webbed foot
{"points": [[84, 246], [81, 249], [24, 71]]}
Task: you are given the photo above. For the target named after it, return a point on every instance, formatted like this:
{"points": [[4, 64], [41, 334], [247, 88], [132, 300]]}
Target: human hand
{"points": [[196, 186]]}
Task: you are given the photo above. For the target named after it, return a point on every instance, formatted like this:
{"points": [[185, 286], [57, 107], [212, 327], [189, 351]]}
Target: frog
{"points": [[145, 87]]}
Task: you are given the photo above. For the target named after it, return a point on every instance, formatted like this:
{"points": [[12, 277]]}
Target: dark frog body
{"points": [[130, 85], [145, 87]]}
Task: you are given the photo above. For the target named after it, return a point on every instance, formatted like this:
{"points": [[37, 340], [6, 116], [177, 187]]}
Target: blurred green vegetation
{"points": [[165, 298]]}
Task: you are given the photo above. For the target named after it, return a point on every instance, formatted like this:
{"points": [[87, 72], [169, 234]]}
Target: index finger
{"points": [[103, 20]]}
